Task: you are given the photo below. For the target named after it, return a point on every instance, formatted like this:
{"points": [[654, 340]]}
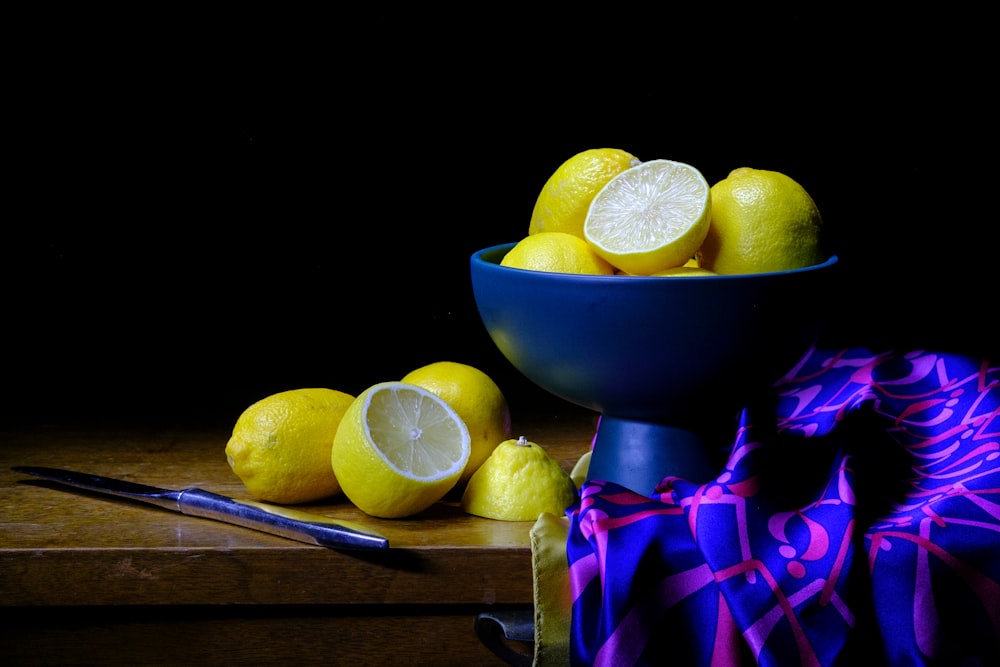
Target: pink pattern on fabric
{"points": [[784, 576]]}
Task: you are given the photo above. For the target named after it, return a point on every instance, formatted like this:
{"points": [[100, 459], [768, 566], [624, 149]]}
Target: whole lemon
{"points": [[476, 398], [519, 481], [280, 445], [557, 252], [761, 221], [562, 204]]}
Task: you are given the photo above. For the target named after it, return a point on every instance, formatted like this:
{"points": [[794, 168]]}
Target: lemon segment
{"points": [[399, 449], [651, 217], [478, 401], [581, 468], [518, 482], [685, 272], [562, 204], [280, 446], [762, 221]]}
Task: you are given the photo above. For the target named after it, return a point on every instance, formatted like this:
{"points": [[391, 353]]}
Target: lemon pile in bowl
{"points": [[661, 218]]}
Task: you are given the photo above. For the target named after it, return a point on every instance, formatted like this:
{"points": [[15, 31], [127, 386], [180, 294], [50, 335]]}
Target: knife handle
{"points": [[281, 521]]}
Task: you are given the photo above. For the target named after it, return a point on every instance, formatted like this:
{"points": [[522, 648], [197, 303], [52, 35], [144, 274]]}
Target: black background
{"points": [[203, 212]]}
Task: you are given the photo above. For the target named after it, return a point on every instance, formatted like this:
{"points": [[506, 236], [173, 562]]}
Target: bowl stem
{"points": [[638, 454]]}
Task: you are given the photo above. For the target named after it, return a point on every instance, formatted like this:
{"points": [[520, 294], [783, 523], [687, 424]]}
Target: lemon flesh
{"points": [[518, 482], [556, 252], [651, 217], [280, 446], [762, 221], [478, 401], [399, 449], [562, 204]]}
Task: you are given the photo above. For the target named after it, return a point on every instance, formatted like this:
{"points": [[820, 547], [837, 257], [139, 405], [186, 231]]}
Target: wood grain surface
{"points": [[87, 578]]}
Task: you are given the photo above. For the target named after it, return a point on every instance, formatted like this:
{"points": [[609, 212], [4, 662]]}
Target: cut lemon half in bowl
{"points": [[399, 448], [651, 217]]}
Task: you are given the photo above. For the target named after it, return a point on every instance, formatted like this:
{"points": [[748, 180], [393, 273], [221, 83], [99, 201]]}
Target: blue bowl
{"points": [[666, 361]]}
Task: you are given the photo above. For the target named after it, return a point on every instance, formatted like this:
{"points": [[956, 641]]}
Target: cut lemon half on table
{"points": [[399, 448], [651, 217], [519, 481], [476, 398]]}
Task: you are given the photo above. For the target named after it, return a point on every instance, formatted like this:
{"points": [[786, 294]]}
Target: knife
{"points": [[284, 522]]}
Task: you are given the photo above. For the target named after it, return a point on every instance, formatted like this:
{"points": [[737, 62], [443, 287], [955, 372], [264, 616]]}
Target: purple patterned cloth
{"points": [[856, 519]]}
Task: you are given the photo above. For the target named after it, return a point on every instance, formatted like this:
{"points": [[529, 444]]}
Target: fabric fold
{"points": [[859, 507], [552, 599]]}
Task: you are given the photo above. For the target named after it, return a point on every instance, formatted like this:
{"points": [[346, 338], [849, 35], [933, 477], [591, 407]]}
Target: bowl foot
{"points": [[638, 454]]}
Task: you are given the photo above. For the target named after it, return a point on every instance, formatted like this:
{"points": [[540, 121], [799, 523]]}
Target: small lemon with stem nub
{"points": [[518, 482]]}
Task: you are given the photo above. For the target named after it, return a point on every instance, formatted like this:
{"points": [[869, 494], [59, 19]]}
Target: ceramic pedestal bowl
{"points": [[666, 361]]}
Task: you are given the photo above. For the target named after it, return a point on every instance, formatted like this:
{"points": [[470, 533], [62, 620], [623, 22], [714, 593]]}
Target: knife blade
{"points": [[284, 522]]}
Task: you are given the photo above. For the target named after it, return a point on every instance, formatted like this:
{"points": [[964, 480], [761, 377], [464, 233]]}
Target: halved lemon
{"points": [[399, 448], [476, 398], [651, 217], [519, 481]]}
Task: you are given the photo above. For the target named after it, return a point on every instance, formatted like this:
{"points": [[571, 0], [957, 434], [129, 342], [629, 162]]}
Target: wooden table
{"points": [[88, 579]]}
